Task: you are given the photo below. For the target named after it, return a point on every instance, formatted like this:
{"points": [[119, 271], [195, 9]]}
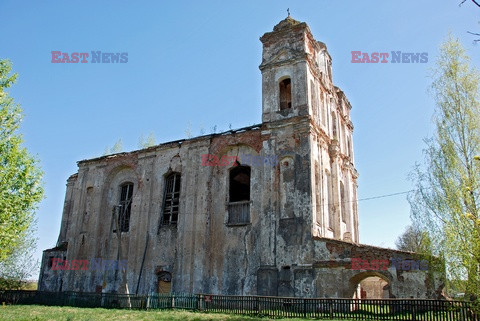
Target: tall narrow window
{"points": [[285, 94], [318, 194], [331, 205], [323, 107], [334, 125], [125, 206], [171, 199], [313, 98], [349, 147], [355, 209], [239, 195], [50, 262]]}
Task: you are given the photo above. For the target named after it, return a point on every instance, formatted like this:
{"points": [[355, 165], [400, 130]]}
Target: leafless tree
{"points": [[477, 3]]}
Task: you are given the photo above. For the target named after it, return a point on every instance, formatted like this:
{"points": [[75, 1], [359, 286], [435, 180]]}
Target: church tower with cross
{"points": [[297, 84]]}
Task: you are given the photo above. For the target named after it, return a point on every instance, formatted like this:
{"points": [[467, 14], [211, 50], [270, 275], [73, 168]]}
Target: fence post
{"points": [[414, 310], [331, 308], [243, 305], [200, 302], [304, 308]]}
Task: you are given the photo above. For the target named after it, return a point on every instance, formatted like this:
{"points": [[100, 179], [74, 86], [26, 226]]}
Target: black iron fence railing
{"points": [[274, 307]]}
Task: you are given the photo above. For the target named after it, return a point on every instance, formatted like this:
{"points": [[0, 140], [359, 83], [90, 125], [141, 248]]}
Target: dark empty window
{"points": [[239, 195], [125, 206], [285, 94], [171, 199], [50, 262], [240, 184]]}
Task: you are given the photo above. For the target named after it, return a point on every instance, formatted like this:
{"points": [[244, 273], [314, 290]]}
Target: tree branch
{"points": [[474, 1]]}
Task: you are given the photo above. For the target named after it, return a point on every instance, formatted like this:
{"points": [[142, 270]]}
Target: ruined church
{"points": [[283, 229]]}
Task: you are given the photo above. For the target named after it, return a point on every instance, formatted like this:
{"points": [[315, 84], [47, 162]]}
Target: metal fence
{"points": [[351, 309], [239, 212], [274, 307]]}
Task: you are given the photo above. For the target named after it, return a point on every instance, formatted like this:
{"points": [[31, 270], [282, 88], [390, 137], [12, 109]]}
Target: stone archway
{"points": [[371, 285]]}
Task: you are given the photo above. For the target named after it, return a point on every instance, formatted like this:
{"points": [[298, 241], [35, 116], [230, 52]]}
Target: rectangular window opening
{"points": [[171, 200], [124, 208], [239, 196]]}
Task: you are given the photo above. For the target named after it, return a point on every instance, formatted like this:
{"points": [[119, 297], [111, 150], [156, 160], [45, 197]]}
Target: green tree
{"points": [[20, 177], [446, 199], [117, 148], [146, 142], [414, 240], [20, 266], [188, 131]]}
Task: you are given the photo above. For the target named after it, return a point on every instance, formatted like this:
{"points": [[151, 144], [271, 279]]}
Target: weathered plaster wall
{"points": [[334, 260], [202, 251]]}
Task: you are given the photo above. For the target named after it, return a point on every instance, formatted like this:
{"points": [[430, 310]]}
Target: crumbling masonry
{"points": [[289, 230]]}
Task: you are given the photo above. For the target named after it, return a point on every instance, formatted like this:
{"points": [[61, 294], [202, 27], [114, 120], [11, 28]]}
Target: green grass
{"points": [[44, 313]]}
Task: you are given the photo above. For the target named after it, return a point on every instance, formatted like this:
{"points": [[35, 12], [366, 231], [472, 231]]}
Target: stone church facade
{"points": [[286, 229]]}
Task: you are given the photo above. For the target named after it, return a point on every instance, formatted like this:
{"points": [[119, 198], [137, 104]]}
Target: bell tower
{"points": [[297, 84], [290, 57]]}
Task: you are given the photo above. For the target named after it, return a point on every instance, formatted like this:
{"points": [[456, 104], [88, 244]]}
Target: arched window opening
{"points": [[285, 94], [240, 184], [171, 199], [125, 206], [239, 195]]}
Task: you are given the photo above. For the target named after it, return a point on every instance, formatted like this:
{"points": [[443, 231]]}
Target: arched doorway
{"points": [[370, 285], [164, 282], [373, 287]]}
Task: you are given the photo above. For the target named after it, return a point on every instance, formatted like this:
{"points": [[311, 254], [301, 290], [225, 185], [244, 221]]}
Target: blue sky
{"points": [[195, 64]]}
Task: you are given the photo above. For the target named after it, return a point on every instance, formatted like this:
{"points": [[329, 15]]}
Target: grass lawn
{"points": [[44, 313]]}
